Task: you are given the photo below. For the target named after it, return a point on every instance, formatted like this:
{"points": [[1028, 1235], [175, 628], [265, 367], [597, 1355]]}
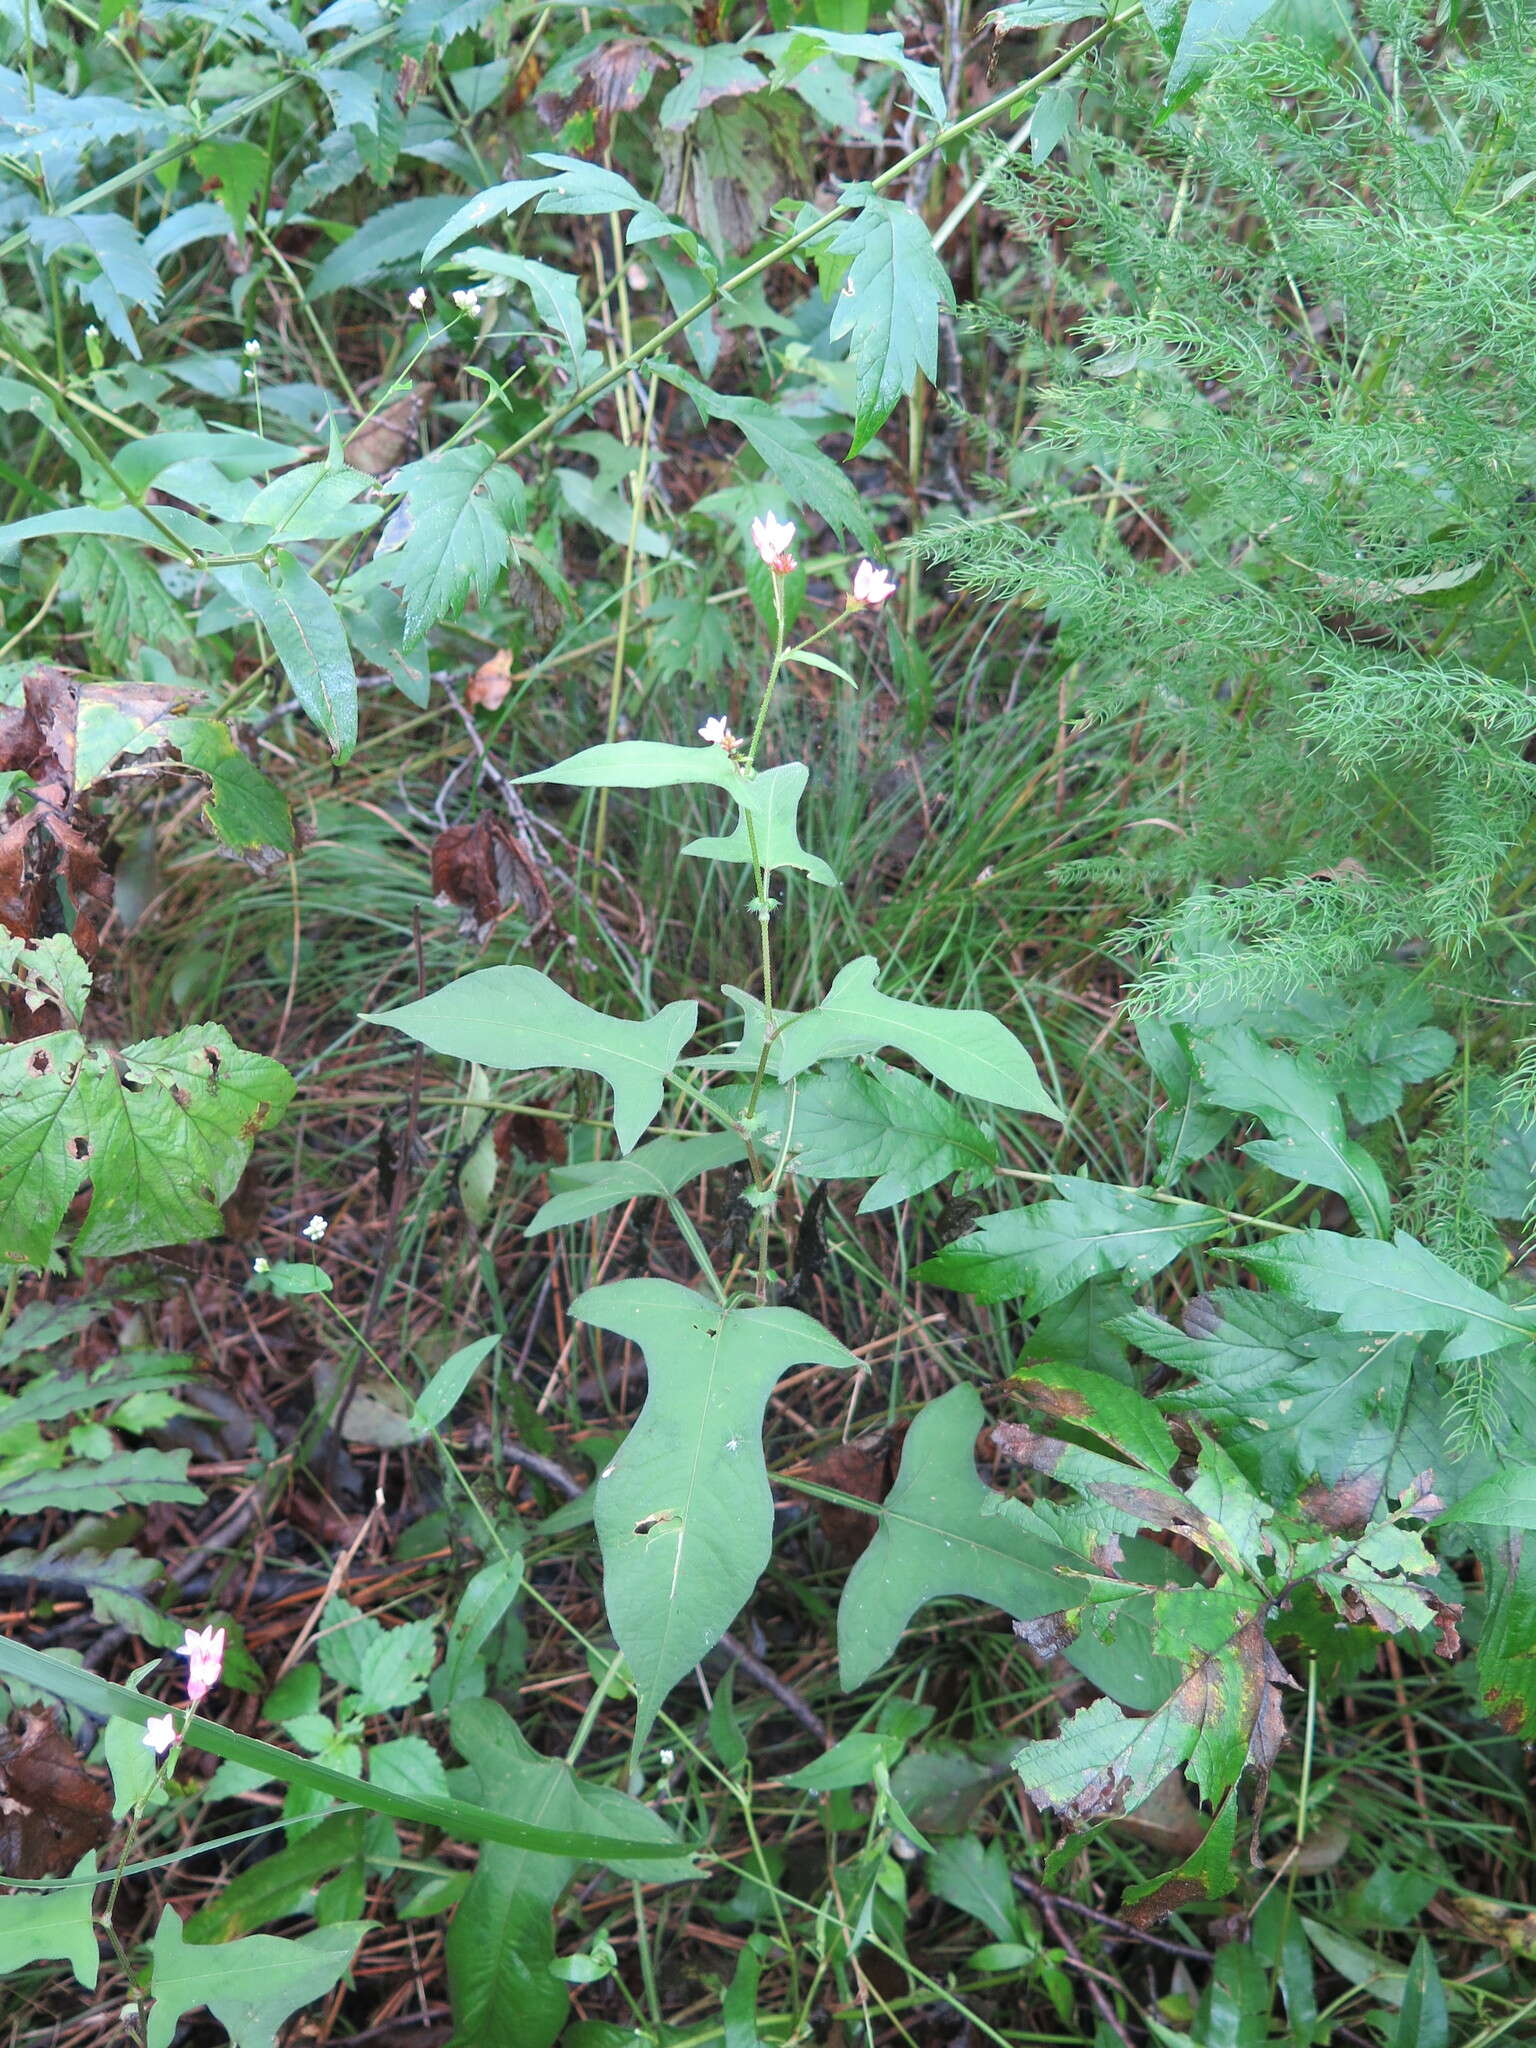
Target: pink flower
{"points": [[204, 1652], [871, 588], [771, 537], [718, 734], [159, 1733]]}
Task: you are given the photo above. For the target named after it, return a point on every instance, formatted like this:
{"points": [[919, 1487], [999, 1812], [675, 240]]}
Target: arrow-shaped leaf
{"points": [[684, 1512], [971, 1051], [772, 802], [515, 1018], [652, 1172], [942, 1534], [250, 1986]]}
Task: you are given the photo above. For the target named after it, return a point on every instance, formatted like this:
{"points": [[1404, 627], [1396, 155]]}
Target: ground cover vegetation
{"points": [[767, 1115]]}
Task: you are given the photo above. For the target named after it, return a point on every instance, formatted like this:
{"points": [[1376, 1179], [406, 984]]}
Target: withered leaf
{"points": [[486, 870], [51, 1808]]}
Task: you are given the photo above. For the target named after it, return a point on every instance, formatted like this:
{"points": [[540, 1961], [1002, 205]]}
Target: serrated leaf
{"points": [[788, 452], [1385, 1051], [1506, 1189], [53, 1925], [57, 130], [1506, 1501], [1191, 1126], [1402, 1287], [882, 1124], [1101, 1406], [1296, 1401], [385, 1668], [1039, 1254], [805, 43], [941, 1536], [970, 1051], [888, 306], [116, 1582], [1223, 1715], [102, 1485], [388, 242], [501, 1941], [310, 640], [249, 1986], [652, 1171], [684, 1513], [462, 505], [124, 278], [514, 1018], [1289, 1095], [162, 1130]]}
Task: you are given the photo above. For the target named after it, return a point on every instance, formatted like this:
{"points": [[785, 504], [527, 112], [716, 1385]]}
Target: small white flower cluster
{"points": [[467, 302], [771, 536], [417, 300], [716, 733], [314, 1229]]}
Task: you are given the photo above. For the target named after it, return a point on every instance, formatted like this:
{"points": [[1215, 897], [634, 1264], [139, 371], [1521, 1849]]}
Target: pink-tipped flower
{"points": [[159, 1733], [204, 1652], [871, 588], [771, 537], [716, 733]]}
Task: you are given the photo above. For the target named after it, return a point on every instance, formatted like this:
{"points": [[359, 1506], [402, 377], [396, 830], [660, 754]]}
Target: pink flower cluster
{"points": [[204, 1652]]}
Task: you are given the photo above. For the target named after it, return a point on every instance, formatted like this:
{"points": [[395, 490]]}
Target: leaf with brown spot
{"points": [[1224, 1715], [52, 1810], [866, 1469]]}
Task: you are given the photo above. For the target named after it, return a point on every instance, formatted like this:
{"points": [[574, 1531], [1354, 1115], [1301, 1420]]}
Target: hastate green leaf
{"points": [[1039, 1254], [879, 1123], [941, 1535], [684, 1513], [1401, 1286], [970, 1051], [52, 1926], [311, 642], [768, 830], [501, 1941], [513, 1018], [1289, 1095], [1295, 1400], [162, 1132], [460, 506], [652, 1171], [771, 799], [250, 1986], [888, 305]]}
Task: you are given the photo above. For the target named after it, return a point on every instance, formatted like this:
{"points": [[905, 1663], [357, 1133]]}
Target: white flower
{"points": [[771, 537], [871, 588], [253, 347], [159, 1733], [467, 302], [417, 299], [314, 1229], [716, 733], [204, 1652], [668, 1757], [261, 1265]]}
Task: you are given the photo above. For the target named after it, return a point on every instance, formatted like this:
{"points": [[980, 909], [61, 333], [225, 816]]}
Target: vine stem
{"points": [[943, 138]]}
